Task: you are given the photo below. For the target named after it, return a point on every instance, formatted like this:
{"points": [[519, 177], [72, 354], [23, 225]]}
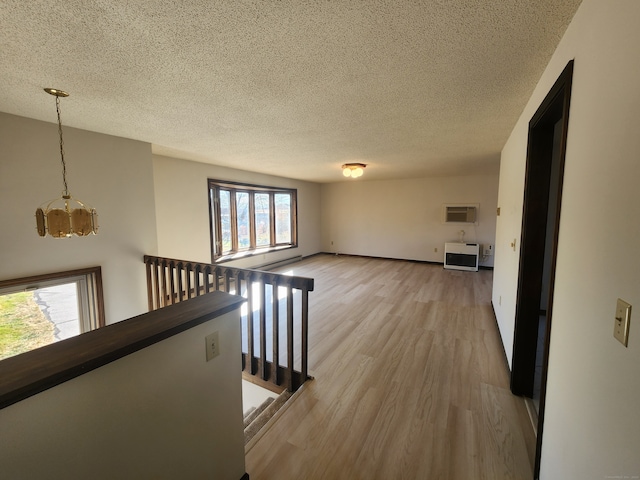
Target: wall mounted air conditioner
{"points": [[460, 214]]}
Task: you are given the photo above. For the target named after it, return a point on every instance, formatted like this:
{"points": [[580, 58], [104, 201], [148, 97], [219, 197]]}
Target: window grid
{"points": [[248, 218]]}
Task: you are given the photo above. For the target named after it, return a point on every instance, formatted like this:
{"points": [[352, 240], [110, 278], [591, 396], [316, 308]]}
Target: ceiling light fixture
{"points": [[57, 217], [353, 170]]}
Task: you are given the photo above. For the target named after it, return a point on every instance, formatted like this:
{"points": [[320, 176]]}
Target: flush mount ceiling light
{"points": [[353, 170], [65, 216]]}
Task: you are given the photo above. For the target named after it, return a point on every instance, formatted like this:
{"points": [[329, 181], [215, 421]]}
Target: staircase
{"points": [[275, 318], [255, 418]]}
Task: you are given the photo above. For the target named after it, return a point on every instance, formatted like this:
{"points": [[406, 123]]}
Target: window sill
{"points": [[251, 253]]}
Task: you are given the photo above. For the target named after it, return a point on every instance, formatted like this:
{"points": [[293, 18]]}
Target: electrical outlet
{"points": [[212, 344], [435, 249], [621, 323]]}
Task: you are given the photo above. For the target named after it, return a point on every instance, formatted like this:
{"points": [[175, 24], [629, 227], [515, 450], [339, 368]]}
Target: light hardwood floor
{"points": [[410, 380]]}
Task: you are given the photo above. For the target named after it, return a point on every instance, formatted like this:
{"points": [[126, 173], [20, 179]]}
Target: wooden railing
{"points": [[276, 312]]}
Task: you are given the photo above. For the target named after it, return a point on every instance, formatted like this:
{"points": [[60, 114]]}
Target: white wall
{"points": [[163, 412], [114, 175], [592, 422], [403, 218], [182, 210]]}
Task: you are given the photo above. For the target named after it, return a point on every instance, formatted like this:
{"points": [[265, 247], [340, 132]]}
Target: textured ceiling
{"points": [[290, 88]]}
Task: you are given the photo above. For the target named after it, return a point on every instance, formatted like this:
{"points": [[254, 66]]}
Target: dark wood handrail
{"points": [[171, 281], [33, 372]]}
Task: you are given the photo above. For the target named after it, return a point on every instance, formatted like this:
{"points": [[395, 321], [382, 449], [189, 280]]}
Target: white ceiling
{"points": [[290, 88]]}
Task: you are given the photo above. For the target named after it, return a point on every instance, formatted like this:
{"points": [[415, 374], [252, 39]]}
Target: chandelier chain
{"points": [[65, 216], [64, 165]]}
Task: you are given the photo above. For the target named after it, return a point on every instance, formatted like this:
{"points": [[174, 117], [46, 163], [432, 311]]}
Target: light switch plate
{"points": [[212, 345], [621, 325]]}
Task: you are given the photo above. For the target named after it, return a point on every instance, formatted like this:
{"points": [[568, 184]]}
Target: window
{"points": [[37, 311], [250, 219]]}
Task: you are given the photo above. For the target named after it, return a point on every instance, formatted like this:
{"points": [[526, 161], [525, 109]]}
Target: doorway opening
{"points": [[538, 248]]}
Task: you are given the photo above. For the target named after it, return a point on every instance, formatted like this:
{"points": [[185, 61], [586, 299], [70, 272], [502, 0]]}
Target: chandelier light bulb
{"points": [[353, 170]]}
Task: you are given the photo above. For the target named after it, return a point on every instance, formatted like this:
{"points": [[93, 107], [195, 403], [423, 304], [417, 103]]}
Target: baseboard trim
{"points": [[427, 262], [337, 254], [504, 352], [305, 257], [526, 413]]}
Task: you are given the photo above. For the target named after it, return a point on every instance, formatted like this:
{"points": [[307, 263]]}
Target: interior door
{"points": [[538, 247]]}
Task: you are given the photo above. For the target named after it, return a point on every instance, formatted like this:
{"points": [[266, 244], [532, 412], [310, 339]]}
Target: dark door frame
{"points": [[554, 108]]}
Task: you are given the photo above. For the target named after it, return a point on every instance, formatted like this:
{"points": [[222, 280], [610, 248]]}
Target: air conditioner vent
{"points": [[461, 214]]}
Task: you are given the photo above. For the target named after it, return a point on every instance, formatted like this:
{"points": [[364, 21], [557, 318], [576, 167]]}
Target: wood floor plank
{"points": [[409, 382]]}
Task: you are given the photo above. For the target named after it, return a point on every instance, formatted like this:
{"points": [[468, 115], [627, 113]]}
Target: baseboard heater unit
{"points": [[461, 256], [279, 263]]}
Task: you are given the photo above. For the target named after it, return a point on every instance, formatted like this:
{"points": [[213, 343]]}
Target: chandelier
{"points": [[353, 170], [65, 216]]}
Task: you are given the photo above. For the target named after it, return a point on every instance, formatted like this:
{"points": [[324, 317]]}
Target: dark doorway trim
{"points": [[553, 109]]}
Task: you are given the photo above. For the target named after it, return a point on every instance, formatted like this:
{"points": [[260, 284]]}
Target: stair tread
{"points": [[257, 411]]}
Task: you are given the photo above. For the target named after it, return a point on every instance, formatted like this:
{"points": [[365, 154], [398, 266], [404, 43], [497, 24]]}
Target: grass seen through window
{"points": [[23, 326]]}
